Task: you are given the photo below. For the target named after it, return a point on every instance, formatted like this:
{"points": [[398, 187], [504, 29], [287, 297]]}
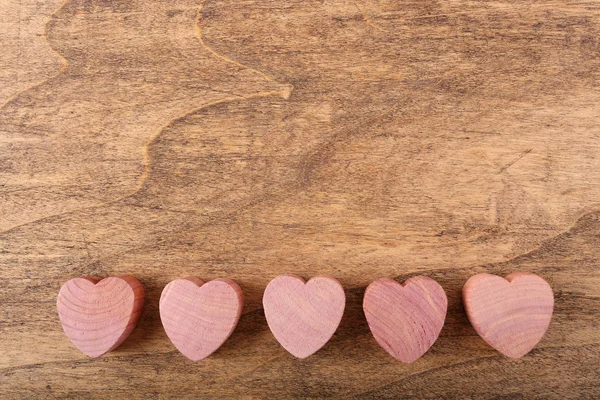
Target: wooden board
{"points": [[246, 139]]}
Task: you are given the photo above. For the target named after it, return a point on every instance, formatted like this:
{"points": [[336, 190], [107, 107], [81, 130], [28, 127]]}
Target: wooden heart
{"points": [[98, 315], [199, 317], [510, 314], [303, 316], [405, 319]]}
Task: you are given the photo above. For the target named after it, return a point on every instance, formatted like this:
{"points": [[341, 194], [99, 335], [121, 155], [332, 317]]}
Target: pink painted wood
{"points": [[303, 316], [98, 315], [510, 314], [199, 317], [405, 319]]}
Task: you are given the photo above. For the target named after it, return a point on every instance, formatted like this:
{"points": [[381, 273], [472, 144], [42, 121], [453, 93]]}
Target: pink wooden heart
{"points": [[199, 317], [98, 315], [405, 319], [510, 314], [303, 316]]}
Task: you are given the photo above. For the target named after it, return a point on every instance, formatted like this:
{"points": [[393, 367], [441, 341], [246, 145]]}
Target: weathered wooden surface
{"points": [[248, 139]]}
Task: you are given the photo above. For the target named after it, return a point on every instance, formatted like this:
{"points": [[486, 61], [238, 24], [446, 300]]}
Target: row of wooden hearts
{"points": [[511, 314]]}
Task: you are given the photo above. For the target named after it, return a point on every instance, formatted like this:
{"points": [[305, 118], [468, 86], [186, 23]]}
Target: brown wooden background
{"points": [[247, 139]]}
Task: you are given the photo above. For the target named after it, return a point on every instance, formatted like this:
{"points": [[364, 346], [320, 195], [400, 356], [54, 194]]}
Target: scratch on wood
{"points": [[513, 162], [367, 18]]}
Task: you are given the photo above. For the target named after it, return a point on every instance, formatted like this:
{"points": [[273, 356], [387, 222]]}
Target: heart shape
{"points": [[98, 315], [511, 314], [303, 316], [405, 319], [199, 317]]}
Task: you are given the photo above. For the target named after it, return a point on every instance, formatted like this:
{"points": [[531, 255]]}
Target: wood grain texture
{"points": [[405, 319], [245, 140], [27, 59], [511, 314], [198, 317], [97, 315], [303, 316]]}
